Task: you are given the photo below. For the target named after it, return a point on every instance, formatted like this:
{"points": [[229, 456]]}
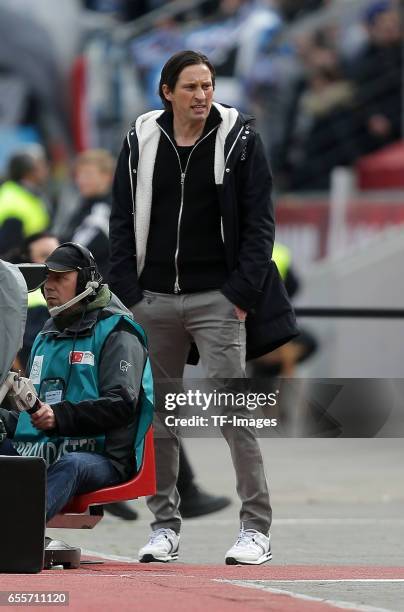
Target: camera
{"points": [[20, 393]]}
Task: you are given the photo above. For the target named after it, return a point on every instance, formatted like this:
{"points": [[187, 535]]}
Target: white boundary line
{"points": [[330, 580], [300, 521], [108, 557], [100, 555], [345, 605], [338, 521], [262, 584]]}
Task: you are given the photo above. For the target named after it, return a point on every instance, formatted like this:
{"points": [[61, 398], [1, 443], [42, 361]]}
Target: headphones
{"points": [[89, 280], [89, 273]]}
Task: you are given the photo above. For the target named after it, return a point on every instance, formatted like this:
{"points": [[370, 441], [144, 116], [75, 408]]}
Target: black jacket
{"points": [[89, 227], [253, 282]]}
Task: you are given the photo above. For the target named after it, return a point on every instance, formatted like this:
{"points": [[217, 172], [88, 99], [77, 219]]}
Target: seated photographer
{"points": [[90, 369]]}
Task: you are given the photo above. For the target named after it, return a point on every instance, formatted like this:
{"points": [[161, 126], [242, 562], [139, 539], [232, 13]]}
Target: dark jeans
{"points": [[77, 473], [6, 448], [74, 473]]}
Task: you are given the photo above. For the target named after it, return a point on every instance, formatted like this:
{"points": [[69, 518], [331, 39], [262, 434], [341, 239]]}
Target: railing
{"points": [[349, 313]]}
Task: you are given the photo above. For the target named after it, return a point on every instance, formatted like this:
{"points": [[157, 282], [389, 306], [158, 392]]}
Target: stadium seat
{"points": [[383, 169], [83, 511]]}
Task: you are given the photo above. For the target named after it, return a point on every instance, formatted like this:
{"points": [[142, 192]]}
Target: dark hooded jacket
{"points": [[243, 183]]}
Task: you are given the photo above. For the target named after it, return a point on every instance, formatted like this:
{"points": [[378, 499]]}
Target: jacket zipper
{"points": [[177, 287], [131, 185], [231, 150]]}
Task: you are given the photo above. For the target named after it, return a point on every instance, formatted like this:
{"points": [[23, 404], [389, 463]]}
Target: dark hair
{"points": [[175, 65], [26, 246], [19, 166], [22, 253]]}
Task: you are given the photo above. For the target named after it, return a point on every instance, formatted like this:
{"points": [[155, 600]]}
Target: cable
{"points": [[72, 351]]}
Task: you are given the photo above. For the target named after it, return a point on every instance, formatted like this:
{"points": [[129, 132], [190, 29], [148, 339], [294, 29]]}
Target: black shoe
{"points": [[195, 502], [121, 510]]}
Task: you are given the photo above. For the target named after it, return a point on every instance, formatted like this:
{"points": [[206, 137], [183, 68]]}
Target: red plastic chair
{"points": [[82, 511]]}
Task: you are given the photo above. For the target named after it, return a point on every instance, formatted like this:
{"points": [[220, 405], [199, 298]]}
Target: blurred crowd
{"points": [[26, 209], [324, 94], [322, 77], [27, 218], [343, 101]]}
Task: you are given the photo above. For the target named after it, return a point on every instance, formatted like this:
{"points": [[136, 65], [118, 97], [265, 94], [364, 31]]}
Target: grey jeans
{"points": [[208, 318]]}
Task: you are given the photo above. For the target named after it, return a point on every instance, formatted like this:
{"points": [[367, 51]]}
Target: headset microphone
{"points": [[71, 256], [91, 289]]}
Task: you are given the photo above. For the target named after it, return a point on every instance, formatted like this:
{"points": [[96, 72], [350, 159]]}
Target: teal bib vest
{"points": [[54, 367]]}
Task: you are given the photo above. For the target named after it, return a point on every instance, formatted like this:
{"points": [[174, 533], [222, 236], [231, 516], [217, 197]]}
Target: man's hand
{"points": [[240, 313], [44, 417]]}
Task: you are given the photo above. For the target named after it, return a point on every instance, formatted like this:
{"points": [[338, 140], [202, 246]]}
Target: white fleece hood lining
{"points": [[148, 135]]}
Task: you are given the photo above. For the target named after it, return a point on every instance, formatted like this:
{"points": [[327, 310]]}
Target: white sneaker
{"points": [[251, 548], [162, 546]]}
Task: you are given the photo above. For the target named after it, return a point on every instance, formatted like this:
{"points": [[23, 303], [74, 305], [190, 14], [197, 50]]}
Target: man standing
{"points": [[90, 369], [191, 235]]}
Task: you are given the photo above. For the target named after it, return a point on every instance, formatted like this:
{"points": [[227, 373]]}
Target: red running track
{"points": [[191, 588]]}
